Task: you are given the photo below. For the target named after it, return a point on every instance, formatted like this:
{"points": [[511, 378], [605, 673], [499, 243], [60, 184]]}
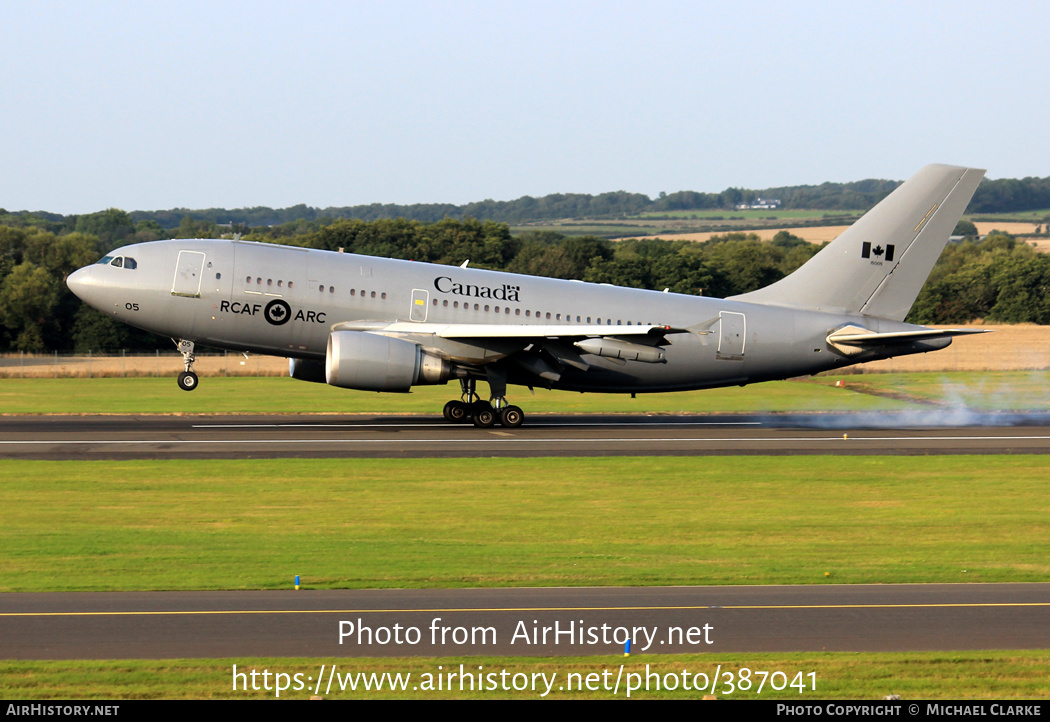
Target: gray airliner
{"points": [[379, 324]]}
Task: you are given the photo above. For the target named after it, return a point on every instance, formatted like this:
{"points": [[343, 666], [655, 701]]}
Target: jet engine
{"points": [[373, 362], [306, 370]]}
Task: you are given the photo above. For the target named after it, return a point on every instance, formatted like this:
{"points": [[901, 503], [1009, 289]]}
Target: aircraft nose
{"points": [[78, 281], [84, 283]]}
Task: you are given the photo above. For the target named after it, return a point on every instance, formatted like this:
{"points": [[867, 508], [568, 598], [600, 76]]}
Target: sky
{"points": [[156, 105]]}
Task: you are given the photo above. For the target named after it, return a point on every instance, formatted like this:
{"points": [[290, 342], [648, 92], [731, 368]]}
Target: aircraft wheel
{"points": [[455, 412], [187, 381], [510, 417], [484, 416]]}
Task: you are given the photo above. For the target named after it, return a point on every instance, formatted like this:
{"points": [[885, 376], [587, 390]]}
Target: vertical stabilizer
{"points": [[878, 265]]}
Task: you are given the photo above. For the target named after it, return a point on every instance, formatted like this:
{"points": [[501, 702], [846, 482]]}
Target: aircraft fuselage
{"points": [[285, 301]]}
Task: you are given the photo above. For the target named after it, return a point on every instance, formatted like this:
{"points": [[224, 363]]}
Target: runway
{"points": [[227, 437], [578, 621]]}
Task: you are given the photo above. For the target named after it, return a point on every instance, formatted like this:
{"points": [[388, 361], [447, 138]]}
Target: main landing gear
{"points": [[483, 414], [187, 379]]}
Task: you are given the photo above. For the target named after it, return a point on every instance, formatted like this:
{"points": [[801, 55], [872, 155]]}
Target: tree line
{"points": [[998, 279], [1007, 195]]}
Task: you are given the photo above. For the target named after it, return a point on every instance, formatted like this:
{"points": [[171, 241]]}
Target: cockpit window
{"points": [[119, 262]]}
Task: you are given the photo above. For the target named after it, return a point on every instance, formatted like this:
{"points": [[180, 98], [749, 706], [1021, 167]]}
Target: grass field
{"points": [[104, 525], [1022, 390], [144, 525], [752, 215], [983, 391], [915, 675], [288, 396]]}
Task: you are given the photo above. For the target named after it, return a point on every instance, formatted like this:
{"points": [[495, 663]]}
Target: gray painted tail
{"points": [[878, 265]]}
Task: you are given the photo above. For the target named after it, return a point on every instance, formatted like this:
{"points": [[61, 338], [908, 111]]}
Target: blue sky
{"points": [[152, 105]]}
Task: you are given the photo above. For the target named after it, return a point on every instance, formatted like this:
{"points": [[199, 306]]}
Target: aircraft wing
{"points": [[539, 349], [525, 331]]}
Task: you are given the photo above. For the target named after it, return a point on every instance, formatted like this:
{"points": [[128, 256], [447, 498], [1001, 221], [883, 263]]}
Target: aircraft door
{"points": [[732, 329], [420, 298], [188, 274]]}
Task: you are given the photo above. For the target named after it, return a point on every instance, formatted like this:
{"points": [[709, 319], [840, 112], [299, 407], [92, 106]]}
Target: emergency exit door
{"points": [[418, 312]]}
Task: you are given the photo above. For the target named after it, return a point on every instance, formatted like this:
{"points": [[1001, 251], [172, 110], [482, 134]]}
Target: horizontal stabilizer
{"points": [[852, 340]]}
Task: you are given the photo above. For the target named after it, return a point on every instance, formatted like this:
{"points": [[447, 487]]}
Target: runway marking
{"points": [[525, 440], [454, 610], [537, 425]]}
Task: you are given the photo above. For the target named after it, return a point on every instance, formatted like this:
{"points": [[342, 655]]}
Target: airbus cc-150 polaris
{"points": [[378, 324]]}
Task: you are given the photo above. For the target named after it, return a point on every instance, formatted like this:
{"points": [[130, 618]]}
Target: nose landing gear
{"points": [[187, 379]]}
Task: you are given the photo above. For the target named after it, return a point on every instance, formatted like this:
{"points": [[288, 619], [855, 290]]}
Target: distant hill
{"points": [[1005, 195]]}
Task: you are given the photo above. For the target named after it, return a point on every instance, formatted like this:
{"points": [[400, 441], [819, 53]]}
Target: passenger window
{"points": [[218, 276], [279, 283], [353, 292], [321, 288], [382, 295], [290, 284], [373, 294], [331, 289]]}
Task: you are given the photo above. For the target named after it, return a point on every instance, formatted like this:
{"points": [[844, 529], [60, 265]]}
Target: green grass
{"points": [[145, 525], [753, 215], [983, 390], [912, 675], [275, 395], [1027, 216]]}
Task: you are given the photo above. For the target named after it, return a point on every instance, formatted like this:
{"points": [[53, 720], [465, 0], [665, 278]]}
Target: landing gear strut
{"points": [[484, 414], [187, 379]]}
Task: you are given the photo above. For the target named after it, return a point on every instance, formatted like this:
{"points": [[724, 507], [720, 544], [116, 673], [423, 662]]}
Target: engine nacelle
{"points": [[373, 362], [307, 370]]}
